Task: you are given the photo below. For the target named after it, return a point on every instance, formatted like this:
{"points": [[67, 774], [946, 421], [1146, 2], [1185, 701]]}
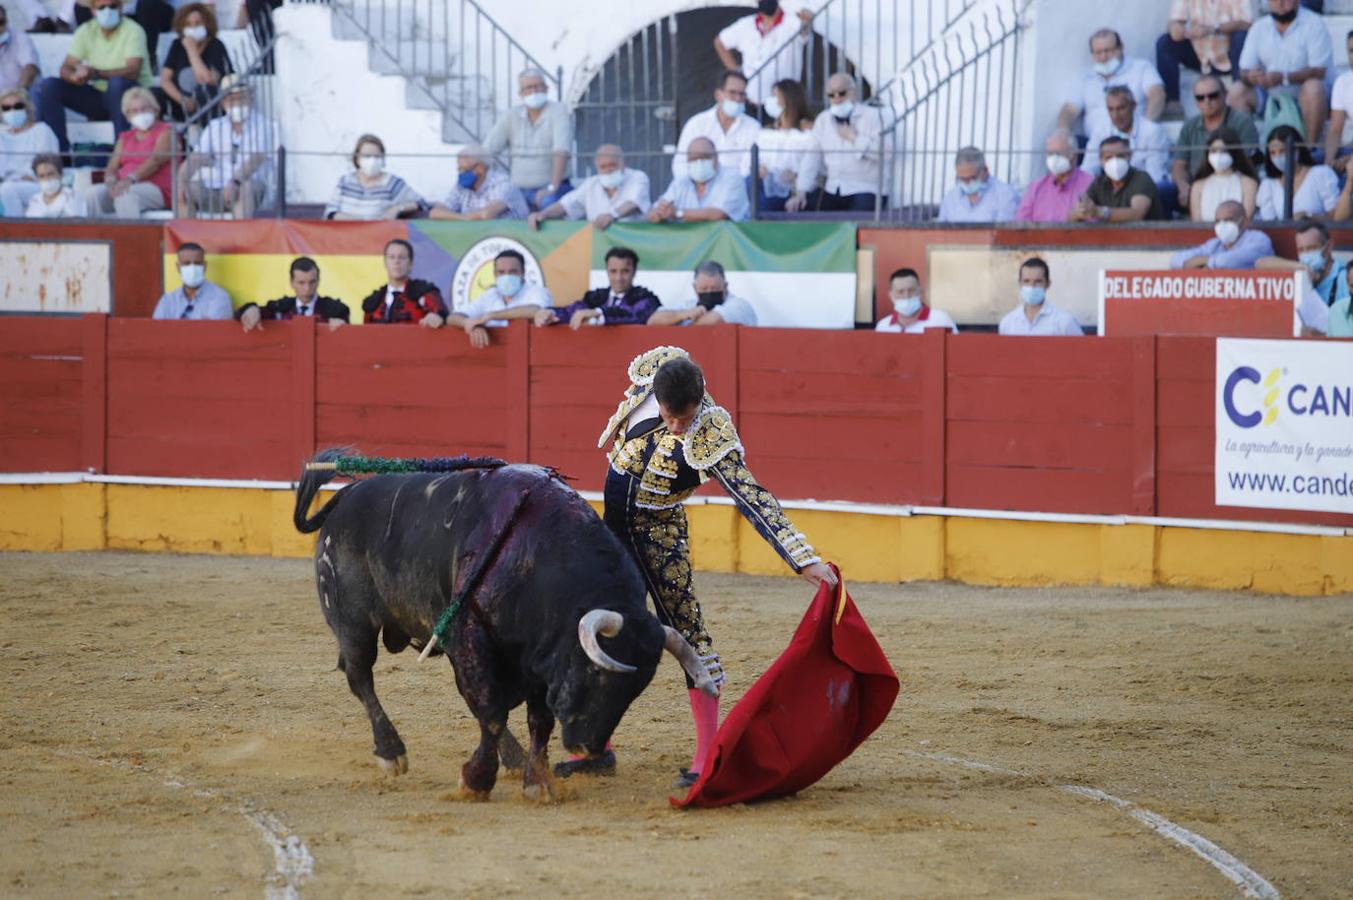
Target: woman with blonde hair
{"points": [[22, 137], [195, 64], [369, 192], [138, 174]]}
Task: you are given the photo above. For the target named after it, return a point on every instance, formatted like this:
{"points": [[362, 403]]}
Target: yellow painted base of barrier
{"points": [[254, 521]]}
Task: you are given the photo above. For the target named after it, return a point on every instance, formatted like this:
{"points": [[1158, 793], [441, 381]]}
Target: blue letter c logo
{"points": [[1243, 373]]}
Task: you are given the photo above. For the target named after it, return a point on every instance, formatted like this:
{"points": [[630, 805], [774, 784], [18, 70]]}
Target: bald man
{"points": [[614, 194], [707, 192], [1236, 246]]}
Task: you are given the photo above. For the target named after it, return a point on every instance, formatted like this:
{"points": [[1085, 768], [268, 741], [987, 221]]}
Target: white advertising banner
{"points": [[1284, 424]]}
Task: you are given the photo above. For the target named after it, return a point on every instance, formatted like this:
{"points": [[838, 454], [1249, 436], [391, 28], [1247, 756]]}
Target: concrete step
{"points": [[415, 57]]}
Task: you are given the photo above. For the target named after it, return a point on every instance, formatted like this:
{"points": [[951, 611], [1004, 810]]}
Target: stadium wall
{"points": [[987, 459]]}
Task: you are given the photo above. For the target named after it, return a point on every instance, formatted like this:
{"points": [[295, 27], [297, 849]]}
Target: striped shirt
{"points": [[360, 201]]}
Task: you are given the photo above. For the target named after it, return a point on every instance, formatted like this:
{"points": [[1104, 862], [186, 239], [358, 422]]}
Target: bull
{"points": [[551, 607]]}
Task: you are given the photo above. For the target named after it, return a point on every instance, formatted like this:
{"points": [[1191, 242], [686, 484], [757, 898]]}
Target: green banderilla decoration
{"points": [[439, 630], [390, 465]]}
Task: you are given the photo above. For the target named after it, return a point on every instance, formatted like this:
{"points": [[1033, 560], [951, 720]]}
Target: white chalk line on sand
{"points": [[1250, 882], [292, 861]]}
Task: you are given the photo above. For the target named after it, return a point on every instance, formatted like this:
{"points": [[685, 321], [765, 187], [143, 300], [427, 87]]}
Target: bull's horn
{"points": [[690, 661], [607, 623]]}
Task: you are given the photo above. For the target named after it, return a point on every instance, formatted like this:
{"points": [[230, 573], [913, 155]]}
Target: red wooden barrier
{"points": [[41, 370], [409, 391], [838, 415]]}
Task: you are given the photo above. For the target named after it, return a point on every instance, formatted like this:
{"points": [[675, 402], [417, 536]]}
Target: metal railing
{"points": [[870, 39], [454, 55]]}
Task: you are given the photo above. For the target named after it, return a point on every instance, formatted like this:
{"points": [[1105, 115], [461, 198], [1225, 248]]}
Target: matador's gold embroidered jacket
{"points": [[671, 467]]}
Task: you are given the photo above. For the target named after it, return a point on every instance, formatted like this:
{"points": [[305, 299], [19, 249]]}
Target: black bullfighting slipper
{"points": [[599, 765], [686, 780]]}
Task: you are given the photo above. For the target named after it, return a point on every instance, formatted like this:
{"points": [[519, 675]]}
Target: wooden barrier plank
{"points": [[898, 483], [446, 387], [807, 351], [1183, 448], [1014, 398], [194, 341], [801, 393], [1041, 445], [1096, 359], [824, 437], [186, 455], [301, 387], [1038, 490], [420, 424], [1143, 408], [934, 409], [215, 379], [26, 337], [94, 394]]}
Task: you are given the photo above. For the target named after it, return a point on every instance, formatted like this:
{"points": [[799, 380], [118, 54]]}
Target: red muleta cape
{"points": [[826, 693]]}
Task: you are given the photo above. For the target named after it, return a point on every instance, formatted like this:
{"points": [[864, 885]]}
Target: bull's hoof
{"points": [[394, 767], [470, 795], [542, 793]]}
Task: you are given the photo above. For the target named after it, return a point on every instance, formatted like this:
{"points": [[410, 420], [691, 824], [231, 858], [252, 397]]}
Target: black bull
{"points": [[553, 613]]}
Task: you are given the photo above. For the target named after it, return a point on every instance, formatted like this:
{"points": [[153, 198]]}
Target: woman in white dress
{"points": [[1316, 188], [1226, 173], [789, 156], [22, 137], [53, 199]]}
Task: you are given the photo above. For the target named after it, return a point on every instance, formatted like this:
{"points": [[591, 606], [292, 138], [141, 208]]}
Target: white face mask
{"points": [[142, 120], [536, 99], [907, 306], [732, 108], [701, 170], [1116, 168], [1109, 66], [1058, 164], [1227, 231], [843, 109], [195, 32], [371, 165], [239, 113], [773, 107], [1221, 162], [193, 275], [611, 180], [50, 186]]}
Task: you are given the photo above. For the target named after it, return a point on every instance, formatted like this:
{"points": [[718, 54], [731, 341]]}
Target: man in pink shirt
{"points": [[1050, 198]]}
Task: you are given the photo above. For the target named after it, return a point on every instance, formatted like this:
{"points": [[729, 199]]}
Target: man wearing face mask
{"points": [[1315, 254], [614, 194], [234, 154], [154, 16], [197, 298], [848, 134], [977, 196], [305, 303], [1121, 193], [1052, 197], [725, 125], [1034, 315], [1287, 52], [1150, 142], [483, 191], [711, 303], [1111, 67], [708, 192], [1235, 247], [509, 298], [539, 136], [911, 314], [758, 39], [106, 57], [18, 57]]}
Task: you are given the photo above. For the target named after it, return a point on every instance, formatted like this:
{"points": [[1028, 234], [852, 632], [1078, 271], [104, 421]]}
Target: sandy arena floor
{"points": [[173, 724]]}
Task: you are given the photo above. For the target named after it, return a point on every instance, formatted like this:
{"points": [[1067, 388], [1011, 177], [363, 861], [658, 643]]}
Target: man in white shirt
{"points": [[1286, 52], [708, 192], [762, 38], [1150, 142], [234, 155], [712, 303], [1034, 315], [977, 196], [726, 124], [614, 194], [509, 298], [911, 314], [1112, 68], [848, 134]]}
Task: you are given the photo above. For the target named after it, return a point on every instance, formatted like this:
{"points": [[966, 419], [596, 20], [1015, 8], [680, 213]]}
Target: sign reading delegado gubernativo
{"points": [[1284, 424], [1201, 301]]}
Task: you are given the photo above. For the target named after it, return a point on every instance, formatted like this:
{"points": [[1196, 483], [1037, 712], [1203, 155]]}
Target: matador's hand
{"points": [[817, 574]]}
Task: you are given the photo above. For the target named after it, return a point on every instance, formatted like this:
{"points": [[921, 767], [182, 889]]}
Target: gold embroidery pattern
{"points": [[633, 398], [660, 538], [644, 367], [711, 437], [760, 507]]}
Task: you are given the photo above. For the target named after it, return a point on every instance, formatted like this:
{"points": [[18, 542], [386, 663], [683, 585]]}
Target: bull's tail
{"points": [[308, 487]]}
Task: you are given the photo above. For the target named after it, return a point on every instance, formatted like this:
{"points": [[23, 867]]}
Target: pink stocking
{"points": [[705, 711]]}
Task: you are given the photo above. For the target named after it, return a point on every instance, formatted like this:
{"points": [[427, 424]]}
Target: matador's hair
{"points": [[679, 385]]}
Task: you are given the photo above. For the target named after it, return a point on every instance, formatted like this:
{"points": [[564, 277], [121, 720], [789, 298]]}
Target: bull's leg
{"points": [[472, 662], [538, 781], [357, 655]]}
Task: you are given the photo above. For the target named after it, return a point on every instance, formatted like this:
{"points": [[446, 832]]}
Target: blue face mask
{"points": [[1033, 296], [509, 285], [969, 188], [108, 17], [1313, 260], [908, 306], [467, 179], [701, 170], [1279, 161]]}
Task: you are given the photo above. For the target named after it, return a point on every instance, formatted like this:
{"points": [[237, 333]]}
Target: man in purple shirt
{"points": [[1050, 198], [1234, 247], [622, 303]]}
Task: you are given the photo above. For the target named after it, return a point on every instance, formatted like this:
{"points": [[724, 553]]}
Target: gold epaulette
{"points": [[644, 368], [710, 438]]}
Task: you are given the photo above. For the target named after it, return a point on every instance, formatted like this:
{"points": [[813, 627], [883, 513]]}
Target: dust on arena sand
{"points": [[174, 724]]}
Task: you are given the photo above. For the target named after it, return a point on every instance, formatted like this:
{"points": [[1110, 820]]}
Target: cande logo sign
{"points": [[1320, 400]]}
